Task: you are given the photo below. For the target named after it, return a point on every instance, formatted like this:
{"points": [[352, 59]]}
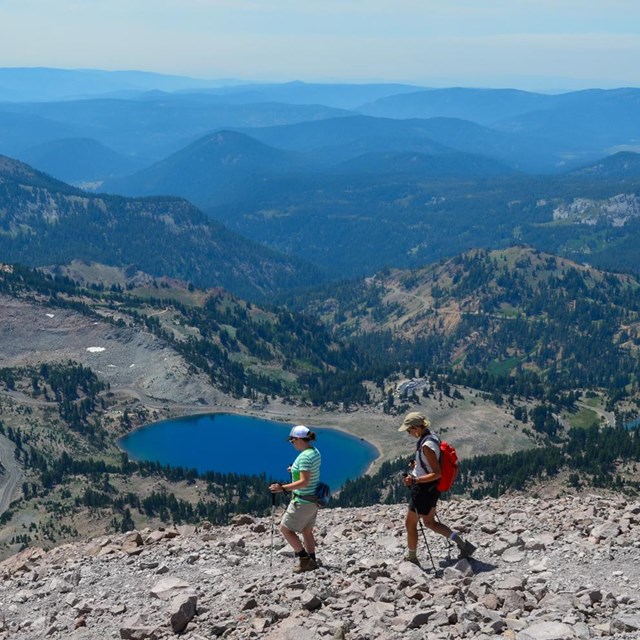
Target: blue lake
{"points": [[634, 424], [230, 443]]}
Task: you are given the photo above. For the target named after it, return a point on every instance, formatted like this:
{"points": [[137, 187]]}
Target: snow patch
{"points": [[96, 349]]}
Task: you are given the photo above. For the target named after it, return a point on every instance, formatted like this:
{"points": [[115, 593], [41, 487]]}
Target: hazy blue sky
{"points": [[525, 43]]}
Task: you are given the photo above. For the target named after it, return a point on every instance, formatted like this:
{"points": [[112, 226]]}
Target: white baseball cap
{"points": [[299, 431]]}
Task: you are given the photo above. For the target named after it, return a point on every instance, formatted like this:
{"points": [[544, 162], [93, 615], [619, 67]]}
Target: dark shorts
{"points": [[424, 497]]}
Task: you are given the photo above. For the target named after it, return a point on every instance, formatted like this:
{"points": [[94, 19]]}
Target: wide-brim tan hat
{"points": [[414, 419]]}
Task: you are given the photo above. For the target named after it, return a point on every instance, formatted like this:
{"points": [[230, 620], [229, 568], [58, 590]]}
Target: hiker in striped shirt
{"points": [[300, 516]]}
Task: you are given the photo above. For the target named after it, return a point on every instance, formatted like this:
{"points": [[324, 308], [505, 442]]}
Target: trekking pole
{"points": [[424, 535], [273, 506]]}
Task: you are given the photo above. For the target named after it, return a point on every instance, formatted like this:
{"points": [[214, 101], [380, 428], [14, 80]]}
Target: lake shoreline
{"points": [[377, 430], [213, 441]]}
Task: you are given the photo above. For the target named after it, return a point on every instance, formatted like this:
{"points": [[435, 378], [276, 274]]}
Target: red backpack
{"points": [[448, 462]]}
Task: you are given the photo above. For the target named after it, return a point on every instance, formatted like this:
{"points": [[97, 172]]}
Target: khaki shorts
{"points": [[299, 516]]}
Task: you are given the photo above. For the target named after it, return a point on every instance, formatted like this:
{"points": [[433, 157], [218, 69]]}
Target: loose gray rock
{"points": [[183, 609], [167, 588], [626, 623], [545, 569], [547, 631]]}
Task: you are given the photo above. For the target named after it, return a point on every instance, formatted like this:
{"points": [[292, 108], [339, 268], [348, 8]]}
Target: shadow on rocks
{"points": [[477, 566]]}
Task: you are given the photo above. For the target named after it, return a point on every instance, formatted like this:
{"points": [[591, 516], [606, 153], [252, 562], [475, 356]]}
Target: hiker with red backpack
{"points": [[432, 471]]}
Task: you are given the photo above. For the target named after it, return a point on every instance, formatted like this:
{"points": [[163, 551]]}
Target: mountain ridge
{"points": [[227, 166], [91, 160], [504, 313], [48, 222], [207, 169]]}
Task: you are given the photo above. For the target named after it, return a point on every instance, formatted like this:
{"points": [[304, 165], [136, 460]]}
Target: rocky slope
{"points": [[551, 569], [124, 357]]}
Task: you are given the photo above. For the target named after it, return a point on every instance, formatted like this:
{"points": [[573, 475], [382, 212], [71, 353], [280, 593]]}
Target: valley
{"points": [[130, 340], [336, 263]]}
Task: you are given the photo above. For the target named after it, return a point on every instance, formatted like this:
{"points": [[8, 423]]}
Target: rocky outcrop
{"points": [[558, 569], [616, 211]]}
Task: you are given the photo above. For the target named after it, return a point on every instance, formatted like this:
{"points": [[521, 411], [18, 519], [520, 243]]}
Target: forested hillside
{"points": [[423, 209], [553, 343], [513, 321], [245, 350], [516, 320], [604, 458], [46, 222]]}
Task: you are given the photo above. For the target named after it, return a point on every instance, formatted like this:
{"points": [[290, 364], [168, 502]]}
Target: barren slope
{"points": [[124, 357]]}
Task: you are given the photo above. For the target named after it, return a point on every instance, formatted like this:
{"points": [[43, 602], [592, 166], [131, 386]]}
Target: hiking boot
{"points": [[466, 550], [305, 564], [412, 560]]}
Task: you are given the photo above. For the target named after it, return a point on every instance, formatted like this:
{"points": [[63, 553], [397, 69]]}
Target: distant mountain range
{"points": [[338, 96], [335, 139], [377, 210], [228, 166], [151, 116], [46, 222], [216, 168], [353, 178], [483, 106], [580, 122], [20, 84], [148, 129], [78, 160]]}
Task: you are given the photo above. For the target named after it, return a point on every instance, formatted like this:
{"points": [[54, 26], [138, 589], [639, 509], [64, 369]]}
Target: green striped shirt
{"points": [[308, 460]]}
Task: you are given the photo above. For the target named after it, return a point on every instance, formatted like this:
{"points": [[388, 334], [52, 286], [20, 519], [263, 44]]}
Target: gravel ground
{"points": [[558, 569]]}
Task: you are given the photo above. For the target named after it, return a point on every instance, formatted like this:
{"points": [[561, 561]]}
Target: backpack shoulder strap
{"points": [[433, 438]]}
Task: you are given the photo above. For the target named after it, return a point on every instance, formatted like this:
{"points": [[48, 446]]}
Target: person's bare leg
{"points": [[292, 538], [411, 524], [431, 522], [309, 540]]}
